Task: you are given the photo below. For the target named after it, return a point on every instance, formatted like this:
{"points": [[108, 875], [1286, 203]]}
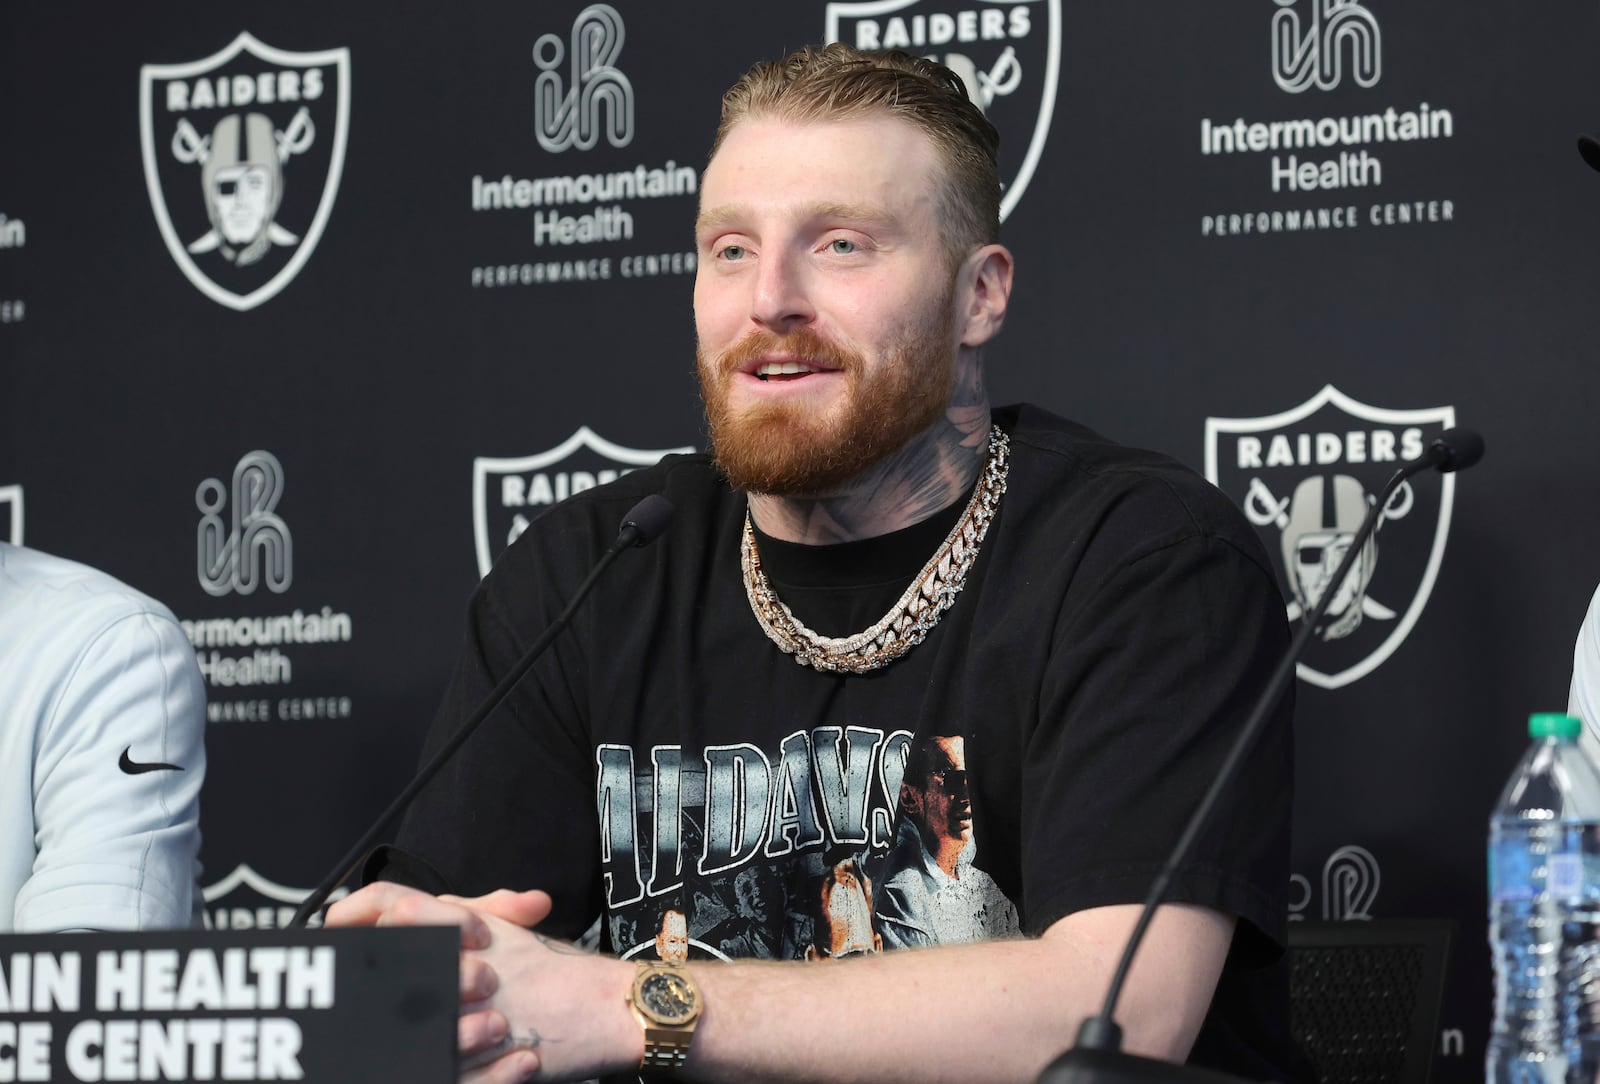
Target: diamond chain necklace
{"points": [[913, 616]]}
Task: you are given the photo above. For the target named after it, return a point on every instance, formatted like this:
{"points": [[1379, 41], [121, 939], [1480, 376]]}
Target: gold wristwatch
{"points": [[667, 1004]]}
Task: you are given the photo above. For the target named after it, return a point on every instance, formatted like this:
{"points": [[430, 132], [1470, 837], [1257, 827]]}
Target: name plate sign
{"points": [[241, 1005]]}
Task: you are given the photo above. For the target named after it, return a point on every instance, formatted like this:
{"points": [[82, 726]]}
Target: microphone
{"points": [[1455, 449], [1589, 147], [1097, 1057], [644, 523], [648, 520]]}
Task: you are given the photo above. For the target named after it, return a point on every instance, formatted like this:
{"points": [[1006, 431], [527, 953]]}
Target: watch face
{"points": [[668, 997]]}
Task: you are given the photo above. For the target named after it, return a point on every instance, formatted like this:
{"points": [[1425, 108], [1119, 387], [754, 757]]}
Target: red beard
{"points": [[787, 450]]}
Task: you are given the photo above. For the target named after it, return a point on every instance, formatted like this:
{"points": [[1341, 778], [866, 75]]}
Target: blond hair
{"points": [[836, 82]]}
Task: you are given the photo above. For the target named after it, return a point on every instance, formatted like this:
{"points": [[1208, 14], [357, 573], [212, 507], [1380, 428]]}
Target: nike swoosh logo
{"points": [[132, 767]]}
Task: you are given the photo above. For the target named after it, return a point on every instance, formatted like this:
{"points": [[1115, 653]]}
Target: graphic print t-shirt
{"points": [[859, 855], [666, 769]]}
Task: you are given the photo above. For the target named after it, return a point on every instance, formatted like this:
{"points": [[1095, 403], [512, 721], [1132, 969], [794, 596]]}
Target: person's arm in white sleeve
{"points": [[1584, 699], [116, 785]]}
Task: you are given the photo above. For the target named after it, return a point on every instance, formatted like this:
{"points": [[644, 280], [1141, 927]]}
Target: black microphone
{"points": [[1097, 1057], [1589, 147], [644, 523], [1454, 449], [649, 519]]}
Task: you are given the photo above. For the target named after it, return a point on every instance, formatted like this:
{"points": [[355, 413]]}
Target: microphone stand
{"points": [[1097, 1055], [641, 526]]}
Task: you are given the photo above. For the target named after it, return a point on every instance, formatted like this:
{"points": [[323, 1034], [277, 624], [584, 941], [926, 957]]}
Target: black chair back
{"points": [[1364, 997]]}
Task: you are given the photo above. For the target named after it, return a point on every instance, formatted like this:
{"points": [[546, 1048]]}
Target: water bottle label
{"points": [[1510, 870], [1566, 874]]}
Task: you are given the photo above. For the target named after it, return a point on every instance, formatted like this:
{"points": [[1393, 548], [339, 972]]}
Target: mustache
{"points": [[803, 343]]}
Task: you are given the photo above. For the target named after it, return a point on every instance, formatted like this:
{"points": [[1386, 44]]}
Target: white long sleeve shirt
{"points": [[102, 717]]}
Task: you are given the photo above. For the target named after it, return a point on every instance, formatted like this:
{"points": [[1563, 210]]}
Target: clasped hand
{"points": [[531, 1006]]}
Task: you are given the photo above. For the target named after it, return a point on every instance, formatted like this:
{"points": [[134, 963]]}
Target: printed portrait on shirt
{"points": [[929, 891], [841, 911]]}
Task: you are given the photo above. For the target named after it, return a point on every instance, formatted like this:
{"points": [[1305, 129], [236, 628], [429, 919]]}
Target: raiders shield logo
{"points": [[243, 152], [508, 493], [11, 514], [245, 900], [1007, 52], [1306, 478]]}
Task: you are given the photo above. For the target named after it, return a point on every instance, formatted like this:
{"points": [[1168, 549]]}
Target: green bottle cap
{"points": [[1553, 724]]}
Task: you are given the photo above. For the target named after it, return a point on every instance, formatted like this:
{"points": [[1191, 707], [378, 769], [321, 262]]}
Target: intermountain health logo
{"points": [[508, 493], [1305, 478], [1314, 53], [590, 215], [1363, 167], [1007, 53], [11, 514], [243, 152], [242, 546]]}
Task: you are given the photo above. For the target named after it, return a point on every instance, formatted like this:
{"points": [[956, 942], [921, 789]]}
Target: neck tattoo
{"points": [[916, 612]]}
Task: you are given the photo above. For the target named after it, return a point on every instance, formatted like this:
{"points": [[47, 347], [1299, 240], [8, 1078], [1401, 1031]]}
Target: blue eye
{"points": [[842, 246], [732, 252]]}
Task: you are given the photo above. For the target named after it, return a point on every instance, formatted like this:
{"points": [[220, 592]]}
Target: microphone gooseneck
{"points": [[1097, 1054], [644, 523]]}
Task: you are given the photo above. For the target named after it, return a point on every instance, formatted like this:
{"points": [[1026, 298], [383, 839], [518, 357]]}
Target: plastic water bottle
{"points": [[1544, 913]]}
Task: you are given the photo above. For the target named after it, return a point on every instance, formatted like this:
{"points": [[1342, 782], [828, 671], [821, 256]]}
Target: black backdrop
{"points": [[403, 336]]}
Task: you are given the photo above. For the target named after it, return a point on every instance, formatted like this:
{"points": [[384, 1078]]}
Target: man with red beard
{"points": [[1087, 624]]}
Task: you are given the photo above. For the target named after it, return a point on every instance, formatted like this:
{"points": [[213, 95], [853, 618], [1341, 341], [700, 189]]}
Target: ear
{"points": [[910, 801], [983, 290]]}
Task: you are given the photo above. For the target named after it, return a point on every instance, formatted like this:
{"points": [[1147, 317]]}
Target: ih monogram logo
{"points": [[232, 559], [571, 117], [1315, 56], [1350, 882]]}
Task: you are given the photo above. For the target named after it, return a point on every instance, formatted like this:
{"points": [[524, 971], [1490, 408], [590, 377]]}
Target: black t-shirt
{"points": [[667, 768]]}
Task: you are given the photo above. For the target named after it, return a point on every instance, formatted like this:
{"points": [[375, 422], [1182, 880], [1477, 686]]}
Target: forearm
{"points": [[967, 1012], [995, 1010], [990, 1011]]}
